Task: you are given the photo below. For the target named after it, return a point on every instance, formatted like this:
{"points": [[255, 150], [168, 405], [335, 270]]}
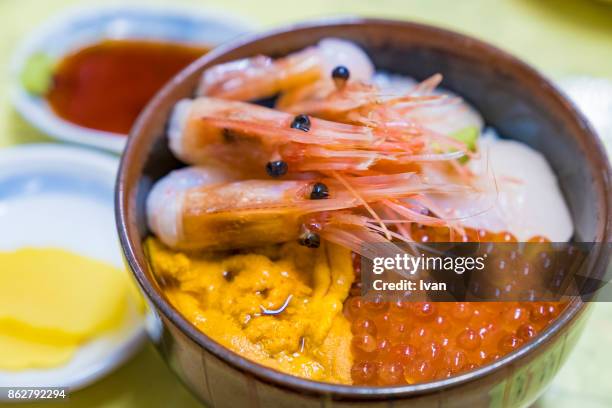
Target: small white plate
{"points": [[81, 26], [62, 196]]}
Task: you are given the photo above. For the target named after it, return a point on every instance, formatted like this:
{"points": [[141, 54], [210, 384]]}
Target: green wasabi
{"points": [[37, 75]]}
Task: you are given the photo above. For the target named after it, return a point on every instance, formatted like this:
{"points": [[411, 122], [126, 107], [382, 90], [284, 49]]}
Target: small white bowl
{"points": [[62, 196], [81, 26]]}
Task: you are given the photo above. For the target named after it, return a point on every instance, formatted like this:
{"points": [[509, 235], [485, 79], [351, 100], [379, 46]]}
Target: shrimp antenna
{"points": [[490, 171], [364, 202], [429, 84]]}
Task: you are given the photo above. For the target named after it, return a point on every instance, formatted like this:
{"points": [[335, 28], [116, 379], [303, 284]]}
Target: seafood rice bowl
{"points": [[296, 168]]}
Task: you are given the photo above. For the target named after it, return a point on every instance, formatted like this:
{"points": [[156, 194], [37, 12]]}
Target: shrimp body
{"points": [[250, 135], [345, 155], [207, 207], [260, 77], [208, 128], [419, 108]]}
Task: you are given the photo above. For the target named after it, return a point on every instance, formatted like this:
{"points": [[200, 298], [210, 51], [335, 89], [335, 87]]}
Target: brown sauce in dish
{"points": [[104, 86]]}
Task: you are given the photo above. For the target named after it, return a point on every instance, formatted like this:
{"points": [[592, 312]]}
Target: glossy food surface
{"points": [[104, 86], [412, 342]]}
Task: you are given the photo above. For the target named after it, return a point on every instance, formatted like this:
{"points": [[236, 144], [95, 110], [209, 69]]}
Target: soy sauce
{"points": [[106, 85]]}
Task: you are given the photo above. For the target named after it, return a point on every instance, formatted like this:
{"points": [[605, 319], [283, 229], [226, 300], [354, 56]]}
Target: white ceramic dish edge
{"points": [[119, 346]]}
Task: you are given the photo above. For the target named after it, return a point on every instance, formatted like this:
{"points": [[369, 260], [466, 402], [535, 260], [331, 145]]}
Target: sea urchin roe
{"points": [[280, 306], [411, 342]]}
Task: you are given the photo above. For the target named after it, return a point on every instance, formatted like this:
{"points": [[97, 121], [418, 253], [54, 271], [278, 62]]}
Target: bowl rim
{"points": [[288, 381]]}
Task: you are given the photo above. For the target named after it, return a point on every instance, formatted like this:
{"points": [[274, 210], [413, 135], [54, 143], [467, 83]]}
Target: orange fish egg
{"points": [[398, 342]]}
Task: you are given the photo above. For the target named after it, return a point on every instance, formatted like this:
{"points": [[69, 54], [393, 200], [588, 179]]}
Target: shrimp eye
{"points": [[276, 168], [310, 240], [340, 74], [319, 191], [301, 122]]}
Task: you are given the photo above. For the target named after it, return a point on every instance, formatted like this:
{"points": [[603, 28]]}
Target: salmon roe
{"points": [[398, 342]]}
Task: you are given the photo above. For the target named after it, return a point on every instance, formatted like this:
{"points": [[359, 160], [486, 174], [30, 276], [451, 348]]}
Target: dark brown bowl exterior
{"points": [[511, 96]]}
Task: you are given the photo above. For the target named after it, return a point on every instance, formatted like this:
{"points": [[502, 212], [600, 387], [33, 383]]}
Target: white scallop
{"points": [[519, 193]]}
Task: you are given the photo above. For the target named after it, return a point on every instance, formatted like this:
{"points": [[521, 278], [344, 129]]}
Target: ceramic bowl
{"points": [[512, 97]]}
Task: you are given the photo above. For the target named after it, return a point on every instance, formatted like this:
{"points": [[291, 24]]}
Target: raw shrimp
{"points": [[261, 76], [208, 207], [446, 114], [410, 108], [250, 135], [332, 99], [165, 196], [418, 108], [345, 156]]}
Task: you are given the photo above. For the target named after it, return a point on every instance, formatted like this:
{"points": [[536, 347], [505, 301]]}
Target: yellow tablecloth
{"points": [[560, 37]]}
